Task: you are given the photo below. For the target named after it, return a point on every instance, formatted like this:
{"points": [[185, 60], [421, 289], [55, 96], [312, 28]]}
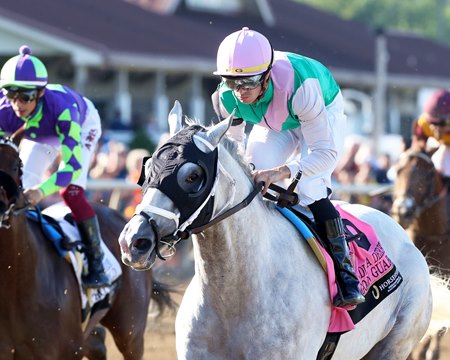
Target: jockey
{"points": [[296, 108], [57, 122], [434, 122]]}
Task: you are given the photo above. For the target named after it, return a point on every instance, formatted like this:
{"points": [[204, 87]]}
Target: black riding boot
{"points": [[345, 275], [90, 236]]}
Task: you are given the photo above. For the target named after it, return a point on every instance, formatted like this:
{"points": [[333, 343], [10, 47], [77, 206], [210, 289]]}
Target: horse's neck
{"points": [[239, 255], [19, 253], [435, 221]]}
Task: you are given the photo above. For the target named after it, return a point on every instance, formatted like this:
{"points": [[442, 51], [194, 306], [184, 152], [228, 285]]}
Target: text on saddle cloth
{"points": [[377, 274]]}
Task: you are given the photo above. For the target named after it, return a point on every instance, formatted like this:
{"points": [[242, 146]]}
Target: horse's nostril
{"points": [[142, 245]]}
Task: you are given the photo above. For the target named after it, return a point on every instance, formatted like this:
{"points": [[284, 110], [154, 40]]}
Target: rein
{"points": [[11, 188], [172, 240], [244, 203], [13, 211], [430, 202]]}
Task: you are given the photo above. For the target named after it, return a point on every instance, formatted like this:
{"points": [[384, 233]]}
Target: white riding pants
{"points": [[270, 148], [441, 160]]}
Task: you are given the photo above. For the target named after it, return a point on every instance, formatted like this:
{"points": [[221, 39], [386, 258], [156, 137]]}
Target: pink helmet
{"points": [[437, 106], [244, 53]]}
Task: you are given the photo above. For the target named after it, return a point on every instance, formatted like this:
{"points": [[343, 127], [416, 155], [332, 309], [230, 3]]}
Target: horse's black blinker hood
{"points": [[164, 174]]}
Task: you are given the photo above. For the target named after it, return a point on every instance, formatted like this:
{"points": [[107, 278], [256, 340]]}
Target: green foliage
{"points": [[430, 18], [141, 140]]}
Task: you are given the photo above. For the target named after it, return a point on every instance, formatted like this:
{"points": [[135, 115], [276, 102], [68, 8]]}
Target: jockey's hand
{"points": [[271, 176], [34, 196]]}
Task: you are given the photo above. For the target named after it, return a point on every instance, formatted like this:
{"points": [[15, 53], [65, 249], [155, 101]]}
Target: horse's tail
{"points": [[430, 344], [440, 318], [162, 297]]}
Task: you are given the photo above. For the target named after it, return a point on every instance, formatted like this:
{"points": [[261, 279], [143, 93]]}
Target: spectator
{"points": [[134, 166]]}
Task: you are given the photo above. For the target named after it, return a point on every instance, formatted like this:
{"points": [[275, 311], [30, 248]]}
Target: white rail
{"points": [[360, 189]]}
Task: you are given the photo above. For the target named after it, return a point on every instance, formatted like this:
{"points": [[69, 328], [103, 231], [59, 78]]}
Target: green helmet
{"points": [[24, 71]]}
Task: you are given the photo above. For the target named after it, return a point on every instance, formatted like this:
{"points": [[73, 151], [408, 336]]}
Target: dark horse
{"points": [[421, 205], [40, 315]]}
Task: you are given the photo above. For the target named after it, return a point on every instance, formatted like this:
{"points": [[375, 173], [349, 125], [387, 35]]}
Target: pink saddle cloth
{"points": [[371, 265]]}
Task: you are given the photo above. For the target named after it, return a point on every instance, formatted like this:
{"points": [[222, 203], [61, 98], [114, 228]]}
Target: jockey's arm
{"points": [[309, 106], [69, 131]]}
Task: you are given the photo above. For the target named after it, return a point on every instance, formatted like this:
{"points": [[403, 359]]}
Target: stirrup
{"points": [[340, 301], [91, 281]]}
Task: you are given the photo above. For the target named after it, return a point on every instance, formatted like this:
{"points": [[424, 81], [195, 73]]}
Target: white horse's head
{"points": [[179, 182]]}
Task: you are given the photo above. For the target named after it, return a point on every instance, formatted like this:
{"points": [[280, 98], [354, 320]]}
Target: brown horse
{"points": [[421, 205], [40, 315]]}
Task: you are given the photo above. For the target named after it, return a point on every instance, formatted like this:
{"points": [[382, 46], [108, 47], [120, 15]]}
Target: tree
{"points": [[430, 18]]}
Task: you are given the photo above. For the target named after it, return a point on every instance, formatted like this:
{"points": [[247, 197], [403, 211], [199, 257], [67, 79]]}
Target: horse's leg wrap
{"points": [[345, 275], [90, 235]]}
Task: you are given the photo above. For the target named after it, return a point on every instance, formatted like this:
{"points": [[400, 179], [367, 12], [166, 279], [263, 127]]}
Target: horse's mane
{"points": [[235, 150], [231, 145], [406, 156]]}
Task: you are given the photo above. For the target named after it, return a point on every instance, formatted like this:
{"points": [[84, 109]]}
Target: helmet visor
{"points": [[244, 83]]}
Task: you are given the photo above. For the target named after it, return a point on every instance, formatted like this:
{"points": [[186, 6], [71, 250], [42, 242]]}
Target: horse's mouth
{"points": [[402, 216], [137, 265], [140, 263]]}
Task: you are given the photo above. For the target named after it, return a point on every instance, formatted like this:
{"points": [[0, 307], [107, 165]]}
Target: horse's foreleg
{"points": [[95, 344], [93, 321]]}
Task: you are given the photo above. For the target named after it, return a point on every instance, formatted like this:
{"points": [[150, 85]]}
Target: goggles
{"points": [[26, 96], [244, 83], [444, 121]]}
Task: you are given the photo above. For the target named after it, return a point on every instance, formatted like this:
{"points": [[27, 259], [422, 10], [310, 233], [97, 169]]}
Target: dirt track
{"points": [[159, 340]]}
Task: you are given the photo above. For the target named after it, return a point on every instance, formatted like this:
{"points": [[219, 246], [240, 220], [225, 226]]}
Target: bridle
{"points": [[432, 197], [11, 190], [12, 210]]}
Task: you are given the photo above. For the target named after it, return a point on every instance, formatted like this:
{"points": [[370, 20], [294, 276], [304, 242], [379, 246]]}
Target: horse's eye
{"points": [[191, 178]]}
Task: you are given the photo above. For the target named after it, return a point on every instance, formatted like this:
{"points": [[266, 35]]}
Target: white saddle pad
{"points": [[110, 263]]}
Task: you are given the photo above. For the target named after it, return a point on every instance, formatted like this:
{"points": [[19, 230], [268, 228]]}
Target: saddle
{"points": [[62, 232], [53, 231]]}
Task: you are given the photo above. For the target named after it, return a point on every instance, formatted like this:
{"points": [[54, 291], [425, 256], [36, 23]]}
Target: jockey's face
{"points": [[248, 90], [24, 103], [440, 130], [249, 96]]}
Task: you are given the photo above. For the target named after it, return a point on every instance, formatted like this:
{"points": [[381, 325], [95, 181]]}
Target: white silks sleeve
{"points": [[309, 106]]}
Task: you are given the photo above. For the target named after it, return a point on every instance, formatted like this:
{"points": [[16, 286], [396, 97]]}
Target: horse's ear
{"points": [[18, 135], [174, 118], [214, 134]]}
